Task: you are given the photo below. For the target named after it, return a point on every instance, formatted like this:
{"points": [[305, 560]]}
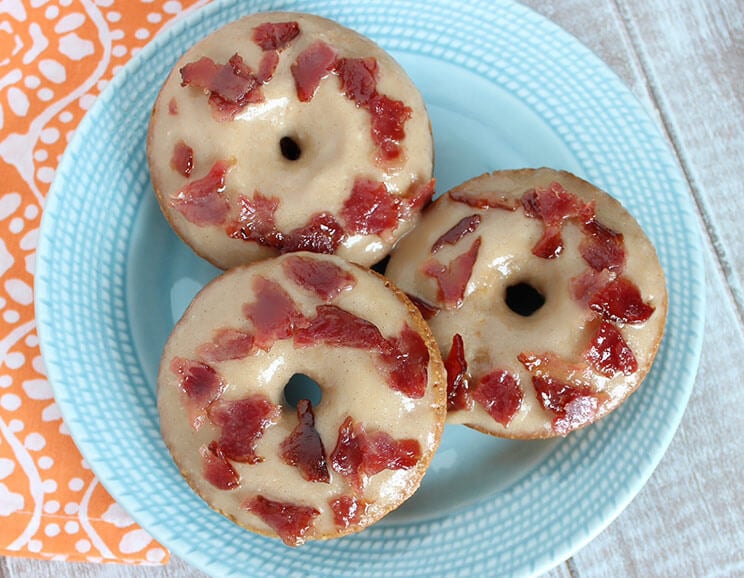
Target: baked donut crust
{"points": [[285, 131], [348, 328], [563, 363]]}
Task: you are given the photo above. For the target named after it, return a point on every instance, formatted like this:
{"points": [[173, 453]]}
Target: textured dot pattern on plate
{"points": [[86, 296]]}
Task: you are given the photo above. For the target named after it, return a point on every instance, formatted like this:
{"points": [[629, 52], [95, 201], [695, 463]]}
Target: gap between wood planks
{"points": [[734, 290]]}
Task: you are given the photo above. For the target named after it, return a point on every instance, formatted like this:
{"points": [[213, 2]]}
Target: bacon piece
{"points": [[274, 314], [427, 309], [370, 209], [573, 406], [201, 202], [347, 458], [227, 343], [327, 280], [563, 388], [290, 521], [322, 234], [312, 65], [609, 354], [420, 194], [348, 510], [275, 35], [304, 448], [230, 86], [173, 106], [553, 206], [358, 78], [406, 358], [500, 395], [182, 160], [256, 221], [463, 227], [583, 287], [458, 380], [201, 384], [218, 471], [621, 301], [491, 200], [360, 454], [388, 121], [452, 279], [243, 424], [338, 328], [267, 67], [382, 452], [602, 248]]}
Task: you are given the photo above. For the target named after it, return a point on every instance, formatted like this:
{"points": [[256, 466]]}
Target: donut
{"points": [[320, 469], [546, 298], [283, 132]]}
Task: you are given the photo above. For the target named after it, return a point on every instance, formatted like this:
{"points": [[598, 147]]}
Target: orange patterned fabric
{"points": [[56, 56]]}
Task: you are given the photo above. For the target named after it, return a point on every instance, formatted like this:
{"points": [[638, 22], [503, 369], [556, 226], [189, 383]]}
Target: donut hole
{"points": [[300, 386], [290, 148], [523, 299]]}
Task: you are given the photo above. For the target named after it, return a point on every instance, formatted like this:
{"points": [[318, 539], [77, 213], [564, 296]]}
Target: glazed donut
{"points": [[546, 298], [315, 471], [284, 131]]}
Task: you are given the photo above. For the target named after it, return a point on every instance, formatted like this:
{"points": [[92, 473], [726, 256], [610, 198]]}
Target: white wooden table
{"points": [[684, 59]]}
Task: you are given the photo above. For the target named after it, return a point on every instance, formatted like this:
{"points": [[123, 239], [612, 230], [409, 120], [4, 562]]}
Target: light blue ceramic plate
{"points": [[506, 89]]}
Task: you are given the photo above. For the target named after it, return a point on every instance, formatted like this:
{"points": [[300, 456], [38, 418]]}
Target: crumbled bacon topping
{"points": [[348, 510], [553, 206], [370, 209], [243, 423], [608, 352], [406, 358], [275, 35], [202, 201], [230, 86], [228, 343], [452, 279], [389, 117], [602, 248], [458, 380], [358, 78], [312, 65], [621, 301], [201, 384], [304, 448], [500, 395], [573, 406], [563, 388], [360, 454], [291, 522], [327, 280], [217, 469], [182, 160], [338, 328], [454, 234], [274, 313]]}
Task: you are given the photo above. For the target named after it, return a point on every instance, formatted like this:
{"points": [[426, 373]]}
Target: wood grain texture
{"points": [[685, 62], [692, 53]]}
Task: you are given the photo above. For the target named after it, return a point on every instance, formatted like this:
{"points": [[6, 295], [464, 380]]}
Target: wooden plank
{"points": [[693, 55]]}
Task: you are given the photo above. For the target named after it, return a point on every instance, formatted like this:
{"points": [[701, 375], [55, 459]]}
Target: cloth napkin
{"points": [[55, 58]]}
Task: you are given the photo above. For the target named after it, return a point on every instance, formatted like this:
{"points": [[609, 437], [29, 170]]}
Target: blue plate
{"points": [[505, 89]]}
